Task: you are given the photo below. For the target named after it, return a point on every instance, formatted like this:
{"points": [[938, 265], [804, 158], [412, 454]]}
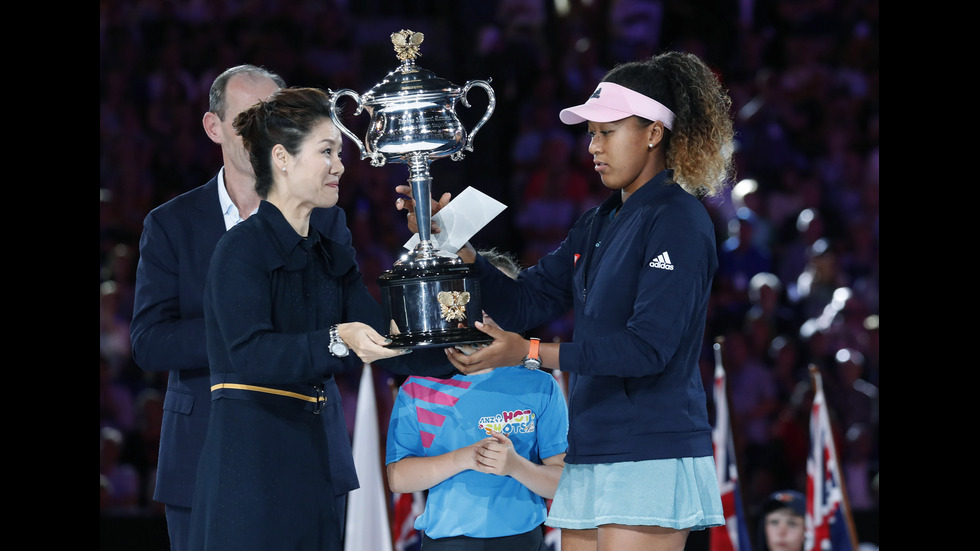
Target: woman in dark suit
{"points": [[285, 309]]}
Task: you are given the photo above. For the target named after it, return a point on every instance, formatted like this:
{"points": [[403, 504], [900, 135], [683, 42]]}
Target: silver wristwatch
{"points": [[337, 345]]}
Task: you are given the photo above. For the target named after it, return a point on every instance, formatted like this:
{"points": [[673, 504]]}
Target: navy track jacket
{"points": [[639, 284]]}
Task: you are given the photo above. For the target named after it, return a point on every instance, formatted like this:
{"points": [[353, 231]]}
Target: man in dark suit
{"points": [[168, 319]]}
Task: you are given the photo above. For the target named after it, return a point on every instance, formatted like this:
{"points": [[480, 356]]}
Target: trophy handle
{"points": [[376, 158], [490, 107]]}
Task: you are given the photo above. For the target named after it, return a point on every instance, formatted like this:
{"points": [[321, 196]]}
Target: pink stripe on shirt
{"points": [[449, 382], [429, 417], [430, 395]]}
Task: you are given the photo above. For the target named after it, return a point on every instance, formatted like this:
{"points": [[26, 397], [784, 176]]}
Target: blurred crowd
{"points": [[797, 233]]}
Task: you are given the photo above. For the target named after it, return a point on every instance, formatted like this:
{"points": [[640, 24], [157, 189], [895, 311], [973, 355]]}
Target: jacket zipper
{"points": [[588, 256]]}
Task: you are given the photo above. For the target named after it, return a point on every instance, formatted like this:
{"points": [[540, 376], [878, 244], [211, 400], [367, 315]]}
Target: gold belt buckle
{"points": [[321, 399]]}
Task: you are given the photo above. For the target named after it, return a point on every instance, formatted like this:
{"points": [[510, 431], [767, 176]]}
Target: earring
{"points": [[284, 168], [649, 146]]}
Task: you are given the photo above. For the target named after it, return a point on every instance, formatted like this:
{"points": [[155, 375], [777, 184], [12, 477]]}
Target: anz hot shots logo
{"points": [[662, 261], [509, 422]]}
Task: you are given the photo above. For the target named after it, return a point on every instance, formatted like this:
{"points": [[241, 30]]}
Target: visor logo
{"points": [[595, 95]]}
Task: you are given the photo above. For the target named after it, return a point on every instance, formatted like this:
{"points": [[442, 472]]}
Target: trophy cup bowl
{"points": [[430, 297]]}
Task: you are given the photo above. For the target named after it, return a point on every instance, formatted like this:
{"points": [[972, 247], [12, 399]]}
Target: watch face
{"points": [[338, 349], [532, 363]]}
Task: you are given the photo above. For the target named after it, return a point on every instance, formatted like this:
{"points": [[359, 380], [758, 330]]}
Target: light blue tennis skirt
{"points": [[673, 493]]}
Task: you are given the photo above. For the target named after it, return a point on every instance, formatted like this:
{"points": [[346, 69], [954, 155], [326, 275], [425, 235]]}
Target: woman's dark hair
{"points": [[701, 143], [286, 118]]}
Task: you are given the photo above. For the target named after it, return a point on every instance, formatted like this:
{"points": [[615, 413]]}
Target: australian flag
{"points": [[407, 508], [734, 535], [828, 517]]}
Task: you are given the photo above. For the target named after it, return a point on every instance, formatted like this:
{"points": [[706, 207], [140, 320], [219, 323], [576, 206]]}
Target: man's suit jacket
{"points": [[168, 333]]}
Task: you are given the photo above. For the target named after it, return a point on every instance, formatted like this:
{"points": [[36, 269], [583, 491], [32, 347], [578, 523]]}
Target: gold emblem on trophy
{"points": [[453, 305]]}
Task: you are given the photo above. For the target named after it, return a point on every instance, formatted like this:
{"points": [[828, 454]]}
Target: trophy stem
{"points": [[421, 183]]}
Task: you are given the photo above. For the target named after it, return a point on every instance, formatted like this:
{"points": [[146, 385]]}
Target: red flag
{"points": [[552, 536], [734, 535], [407, 508], [828, 516]]}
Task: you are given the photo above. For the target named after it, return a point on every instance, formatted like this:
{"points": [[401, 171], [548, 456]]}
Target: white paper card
{"points": [[465, 215]]}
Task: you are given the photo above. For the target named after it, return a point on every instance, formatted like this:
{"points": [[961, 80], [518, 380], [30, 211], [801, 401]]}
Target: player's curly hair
{"points": [[700, 146], [504, 261]]}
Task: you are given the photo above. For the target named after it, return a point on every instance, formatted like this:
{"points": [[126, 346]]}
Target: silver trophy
{"points": [[430, 297]]}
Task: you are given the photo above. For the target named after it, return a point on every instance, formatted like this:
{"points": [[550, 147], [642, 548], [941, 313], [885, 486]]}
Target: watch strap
{"points": [[533, 352], [533, 359]]}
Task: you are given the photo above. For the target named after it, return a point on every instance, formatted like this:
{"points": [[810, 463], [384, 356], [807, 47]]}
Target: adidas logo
{"points": [[596, 93], [662, 261]]}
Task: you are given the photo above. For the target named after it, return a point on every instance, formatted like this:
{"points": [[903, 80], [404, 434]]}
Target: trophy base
{"points": [[432, 305], [442, 339]]}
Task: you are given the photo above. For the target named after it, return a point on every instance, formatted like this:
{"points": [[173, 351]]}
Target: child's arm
{"points": [[496, 455], [414, 474]]}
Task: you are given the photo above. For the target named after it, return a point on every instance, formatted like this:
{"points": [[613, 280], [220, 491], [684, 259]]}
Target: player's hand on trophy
{"points": [[408, 204], [507, 348]]}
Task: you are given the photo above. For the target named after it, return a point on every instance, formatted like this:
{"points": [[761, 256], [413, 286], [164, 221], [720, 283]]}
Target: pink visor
{"points": [[612, 102]]}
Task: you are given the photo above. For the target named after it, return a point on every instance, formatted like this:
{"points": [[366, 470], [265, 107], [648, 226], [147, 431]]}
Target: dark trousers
{"points": [[342, 513], [179, 521], [178, 526], [528, 541]]}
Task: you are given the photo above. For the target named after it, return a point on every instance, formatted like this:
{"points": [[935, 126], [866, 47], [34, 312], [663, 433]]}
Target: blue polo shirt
{"points": [[433, 416]]}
